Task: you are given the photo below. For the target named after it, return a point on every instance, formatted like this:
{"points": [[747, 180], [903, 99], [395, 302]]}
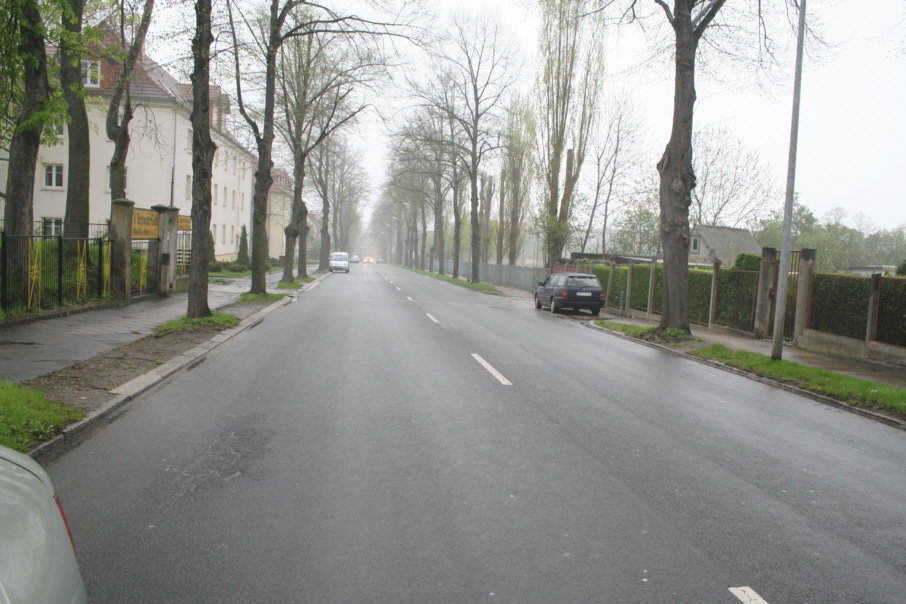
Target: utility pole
{"points": [[783, 272]]}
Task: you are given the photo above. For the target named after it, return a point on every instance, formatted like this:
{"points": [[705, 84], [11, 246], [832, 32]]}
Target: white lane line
{"points": [[432, 318], [408, 298], [747, 595], [491, 370], [398, 289]]}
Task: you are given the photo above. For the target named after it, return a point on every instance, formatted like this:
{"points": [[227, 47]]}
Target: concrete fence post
{"points": [[613, 268], [871, 328], [712, 309], [651, 288], [765, 292], [121, 259], [628, 306], [167, 229], [803, 291]]}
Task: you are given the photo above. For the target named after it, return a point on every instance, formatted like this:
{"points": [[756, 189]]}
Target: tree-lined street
{"points": [[353, 448]]}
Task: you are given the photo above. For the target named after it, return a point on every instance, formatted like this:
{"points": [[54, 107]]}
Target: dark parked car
{"points": [[570, 290]]}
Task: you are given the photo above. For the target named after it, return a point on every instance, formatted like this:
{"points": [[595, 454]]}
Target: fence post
{"points": [[100, 267], [60, 270], [712, 310], [651, 287], [167, 229], [629, 290], [803, 291], [4, 294], [121, 236], [613, 267], [871, 329], [764, 296]]}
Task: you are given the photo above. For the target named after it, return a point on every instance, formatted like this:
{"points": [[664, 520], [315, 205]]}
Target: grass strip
{"points": [[482, 287], [297, 284], [641, 332], [855, 391], [217, 319], [27, 418]]}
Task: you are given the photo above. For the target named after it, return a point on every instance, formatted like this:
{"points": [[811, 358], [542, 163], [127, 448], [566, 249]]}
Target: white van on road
{"points": [[339, 261]]}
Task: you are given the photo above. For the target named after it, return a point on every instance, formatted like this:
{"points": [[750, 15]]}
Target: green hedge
{"points": [[892, 311], [840, 305], [736, 294]]}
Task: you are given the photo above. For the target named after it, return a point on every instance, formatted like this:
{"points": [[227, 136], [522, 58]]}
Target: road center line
{"points": [[491, 370], [432, 318], [747, 595], [408, 298], [398, 289]]}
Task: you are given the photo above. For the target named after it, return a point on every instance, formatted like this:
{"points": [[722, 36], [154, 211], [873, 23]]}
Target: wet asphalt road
{"points": [[392, 438]]}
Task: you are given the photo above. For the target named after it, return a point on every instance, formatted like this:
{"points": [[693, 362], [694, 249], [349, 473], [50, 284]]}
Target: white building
{"points": [[159, 161]]}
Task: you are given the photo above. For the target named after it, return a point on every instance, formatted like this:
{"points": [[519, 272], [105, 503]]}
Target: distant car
{"points": [[37, 556], [339, 261], [570, 290], [368, 260], [355, 259]]}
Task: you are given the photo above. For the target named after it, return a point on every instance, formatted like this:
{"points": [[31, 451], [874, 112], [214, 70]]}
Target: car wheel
{"points": [[537, 302], [596, 311], [554, 308]]}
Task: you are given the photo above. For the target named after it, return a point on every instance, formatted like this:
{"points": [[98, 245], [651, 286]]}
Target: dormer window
{"points": [[91, 74], [695, 245]]}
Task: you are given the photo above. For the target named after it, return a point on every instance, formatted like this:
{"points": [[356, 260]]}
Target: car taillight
{"points": [[601, 296], [564, 293], [65, 521]]}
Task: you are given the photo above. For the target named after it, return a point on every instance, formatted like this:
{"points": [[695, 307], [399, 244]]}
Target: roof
{"points": [[725, 243]]}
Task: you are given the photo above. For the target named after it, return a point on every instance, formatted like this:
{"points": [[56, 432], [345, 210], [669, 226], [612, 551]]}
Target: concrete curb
{"points": [[74, 434], [832, 402]]}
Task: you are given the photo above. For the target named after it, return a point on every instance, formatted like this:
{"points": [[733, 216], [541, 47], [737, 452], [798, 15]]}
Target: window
{"points": [[91, 74], [216, 156], [58, 129], [215, 195], [110, 181], [189, 140], [234, 164], [234, 199], [214, 235], [223, 235], [695, 245], [243, 202], [233, 233], [188, 186], [53, 176], [226, 195], [52, 226]]}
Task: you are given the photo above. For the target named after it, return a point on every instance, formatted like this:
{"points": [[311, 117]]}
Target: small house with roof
{"points": [[708, 244]]}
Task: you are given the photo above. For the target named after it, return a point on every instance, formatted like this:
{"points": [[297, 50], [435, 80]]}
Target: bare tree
{"points": [[71, 49], [616, 157], [733, 187], [317, 76], [203, 149], [479, 71], [117, 124], [567, 91], [276, 27], [517, 175]]}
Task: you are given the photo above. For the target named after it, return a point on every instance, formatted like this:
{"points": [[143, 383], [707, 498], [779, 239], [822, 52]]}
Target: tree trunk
{"points": [[203, 149], [75, 223], [501, 217], [26, 139], [117, 126], [325, 230], [677, 182], [298, 216], [474, 223]]}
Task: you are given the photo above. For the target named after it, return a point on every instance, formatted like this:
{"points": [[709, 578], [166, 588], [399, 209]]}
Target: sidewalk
{"points": [[878, 372], [28, 350]]}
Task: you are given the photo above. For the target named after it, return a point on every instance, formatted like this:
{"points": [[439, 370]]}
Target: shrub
{"points": [[747, 262], [214, 266], [237, 267], [901, 269], [243, 254]]}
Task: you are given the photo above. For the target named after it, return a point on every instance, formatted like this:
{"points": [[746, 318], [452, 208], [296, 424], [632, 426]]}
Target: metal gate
{"points": [[789, 315]]}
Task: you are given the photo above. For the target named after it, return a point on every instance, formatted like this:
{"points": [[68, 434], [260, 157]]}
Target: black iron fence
{"points": [[40, 271]]}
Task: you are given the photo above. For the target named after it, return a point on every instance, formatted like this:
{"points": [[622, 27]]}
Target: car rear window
{"points": [[589, 281], [338, 257]]}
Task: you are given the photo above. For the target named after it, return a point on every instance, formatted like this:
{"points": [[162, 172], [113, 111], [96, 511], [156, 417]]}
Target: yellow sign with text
{"points": [[185, 223], [144, 224]]}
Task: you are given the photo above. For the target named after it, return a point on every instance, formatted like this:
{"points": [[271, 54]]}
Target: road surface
{"points": [[392, 438]]}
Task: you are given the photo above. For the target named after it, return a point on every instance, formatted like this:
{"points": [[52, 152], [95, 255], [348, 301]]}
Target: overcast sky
{"points": [[852, 135]]}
